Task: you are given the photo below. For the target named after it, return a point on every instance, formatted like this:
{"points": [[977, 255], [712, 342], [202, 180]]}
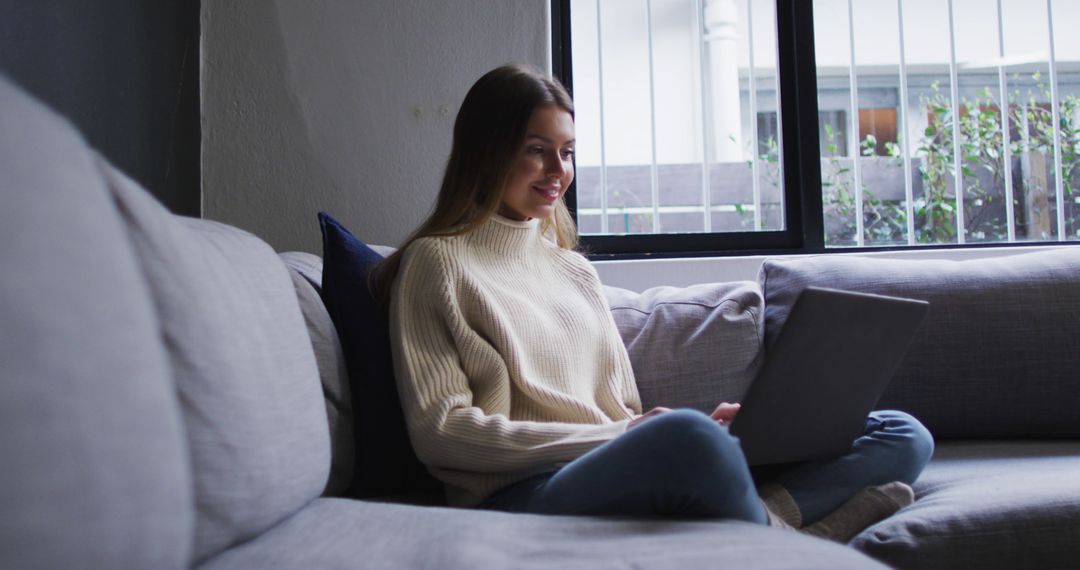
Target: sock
{"points": [[780, 506], [865, 508]]}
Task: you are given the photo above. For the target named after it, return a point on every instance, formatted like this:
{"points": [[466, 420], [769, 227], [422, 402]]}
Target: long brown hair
{"points": [[488, 134]]}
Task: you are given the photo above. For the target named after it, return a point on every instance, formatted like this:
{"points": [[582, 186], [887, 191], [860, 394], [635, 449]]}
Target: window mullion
{"points": [[958, 166], [855, 131], [1006, 151], [755, 163], [909, 193], [706, 118], [1055, 102], [654, 175], [779, 131], [603, 147], [801, 150]]}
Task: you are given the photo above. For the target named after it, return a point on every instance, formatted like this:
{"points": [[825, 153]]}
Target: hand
{"points": [[653, 412], [725, 413]]}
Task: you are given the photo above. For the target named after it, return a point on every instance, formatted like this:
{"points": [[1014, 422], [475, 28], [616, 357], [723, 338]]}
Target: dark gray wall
{"points": [[126, 73]]}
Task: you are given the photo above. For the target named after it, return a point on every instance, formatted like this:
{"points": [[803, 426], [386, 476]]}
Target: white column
{"points": [[722, 36]]}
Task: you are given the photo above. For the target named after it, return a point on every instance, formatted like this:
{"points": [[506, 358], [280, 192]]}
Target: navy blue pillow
{"points": [[386, 465]]}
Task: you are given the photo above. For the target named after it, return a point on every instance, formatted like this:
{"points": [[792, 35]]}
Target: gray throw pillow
{"points": [[691, 346], [999, 351]]}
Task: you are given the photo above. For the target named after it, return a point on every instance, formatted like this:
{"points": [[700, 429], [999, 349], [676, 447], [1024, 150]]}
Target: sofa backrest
{"points": [[161, 399], [242, 363], [94, 465], [689, 346], [306, 271], [998, 355]]}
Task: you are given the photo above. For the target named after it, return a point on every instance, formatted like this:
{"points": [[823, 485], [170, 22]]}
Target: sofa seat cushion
{"points": [[344, 533], [691, 346], [988, 505]]}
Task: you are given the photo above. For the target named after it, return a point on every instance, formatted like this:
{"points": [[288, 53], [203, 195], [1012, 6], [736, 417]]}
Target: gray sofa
{"points": [[994, 372], [173, 395]]}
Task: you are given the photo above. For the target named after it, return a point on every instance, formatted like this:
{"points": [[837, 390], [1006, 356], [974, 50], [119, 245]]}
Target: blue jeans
{"points": [[682, 463]]}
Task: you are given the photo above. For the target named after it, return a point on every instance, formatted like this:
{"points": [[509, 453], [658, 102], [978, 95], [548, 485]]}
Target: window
{"points": [[758, 125]]}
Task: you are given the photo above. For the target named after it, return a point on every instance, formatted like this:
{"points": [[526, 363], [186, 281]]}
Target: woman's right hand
{"points": [[651, 413], [725, 413]]}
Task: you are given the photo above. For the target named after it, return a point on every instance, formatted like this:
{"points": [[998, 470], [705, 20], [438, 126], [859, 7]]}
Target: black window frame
{"points": [[803, 208], [804, 219]]}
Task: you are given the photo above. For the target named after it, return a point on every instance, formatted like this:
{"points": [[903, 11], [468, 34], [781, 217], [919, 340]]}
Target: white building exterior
{"points": [[674, 96]]}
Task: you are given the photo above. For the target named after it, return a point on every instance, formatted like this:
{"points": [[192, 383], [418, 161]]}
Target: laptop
{"points": [[823, 375]]}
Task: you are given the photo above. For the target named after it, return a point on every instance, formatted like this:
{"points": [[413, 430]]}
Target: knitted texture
{"points": [[867, 507], [780, 505], [507, 359]]}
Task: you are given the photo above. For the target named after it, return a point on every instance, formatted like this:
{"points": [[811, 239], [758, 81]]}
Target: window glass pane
{"points": [[982, 159], [590, 149], [588, 118], [891, 73], [679, 129], [865, 190], [1026, 66], [762, 93], [677, 116], [1067, 67], [927, 48]]}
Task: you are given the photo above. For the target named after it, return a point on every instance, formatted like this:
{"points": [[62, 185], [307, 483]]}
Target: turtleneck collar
{"points": [[529, 223], [508, 236]]}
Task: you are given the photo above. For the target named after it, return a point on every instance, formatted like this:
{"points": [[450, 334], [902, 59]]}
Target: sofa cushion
{"points": [[385, 462], [691, 346], [998, 353], [339, 533], [306, 272], [94, 469], [987, 505], [243, 366]]}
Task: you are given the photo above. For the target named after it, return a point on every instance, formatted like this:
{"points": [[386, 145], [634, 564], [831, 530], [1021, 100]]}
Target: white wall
{"points": [[344, 106]]}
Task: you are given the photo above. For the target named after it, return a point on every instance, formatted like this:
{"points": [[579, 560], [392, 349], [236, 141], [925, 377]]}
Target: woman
{"points": [[516, 387]]}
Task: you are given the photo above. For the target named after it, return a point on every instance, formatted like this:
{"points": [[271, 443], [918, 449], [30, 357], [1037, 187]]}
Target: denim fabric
{"points": [[683, 463], [668, 465]]}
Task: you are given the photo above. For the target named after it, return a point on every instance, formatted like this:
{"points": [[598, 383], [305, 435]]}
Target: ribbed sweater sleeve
{"points": [[496, 386]]}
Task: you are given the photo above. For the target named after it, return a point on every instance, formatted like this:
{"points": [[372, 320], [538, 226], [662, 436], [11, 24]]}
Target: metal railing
{"points": [[699, 28]]}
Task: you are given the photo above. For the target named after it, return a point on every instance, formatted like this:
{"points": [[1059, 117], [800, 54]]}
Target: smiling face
{"points": [[544, 167]]}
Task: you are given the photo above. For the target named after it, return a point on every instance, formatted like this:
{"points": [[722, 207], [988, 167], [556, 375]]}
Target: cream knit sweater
{"points": [[507, 359]]}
